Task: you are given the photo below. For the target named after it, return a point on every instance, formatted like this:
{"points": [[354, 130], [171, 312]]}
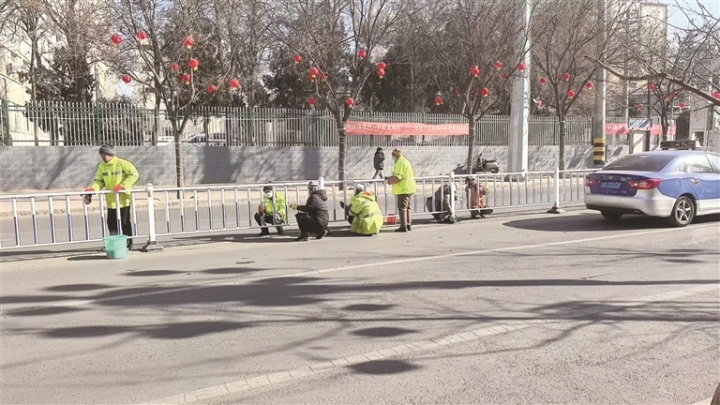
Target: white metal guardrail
{"points": [[50, 219]]}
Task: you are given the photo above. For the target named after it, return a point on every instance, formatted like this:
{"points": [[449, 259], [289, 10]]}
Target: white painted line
{"points": [[359, 266], [408, 348], [705, 401]]}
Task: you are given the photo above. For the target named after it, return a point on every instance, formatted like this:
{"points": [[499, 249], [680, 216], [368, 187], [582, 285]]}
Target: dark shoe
{"points": [[401, 229], [409, 227], [322, 234], [280, 231], [264, 232], [302, 238]]}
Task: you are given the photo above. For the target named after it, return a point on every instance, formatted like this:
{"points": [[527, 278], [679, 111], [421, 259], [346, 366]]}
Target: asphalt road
{"points": [[535, 309], [171, 220]]}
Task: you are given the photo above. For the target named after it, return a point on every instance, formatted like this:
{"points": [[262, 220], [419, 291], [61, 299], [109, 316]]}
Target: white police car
{"points": [[674, 184]]}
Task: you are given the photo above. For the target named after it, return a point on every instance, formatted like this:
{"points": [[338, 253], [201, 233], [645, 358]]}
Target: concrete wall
{"points": [[48, 168]]}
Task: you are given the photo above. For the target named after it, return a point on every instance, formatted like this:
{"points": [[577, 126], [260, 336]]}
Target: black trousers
{"points": [[124, 222], [267, 220], [309, 224]]}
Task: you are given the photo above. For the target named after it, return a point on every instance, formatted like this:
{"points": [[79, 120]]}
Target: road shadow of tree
{"points": [[596, 223]]}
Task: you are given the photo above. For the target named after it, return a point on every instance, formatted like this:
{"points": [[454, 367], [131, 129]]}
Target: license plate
{"points": [[612, 185]]}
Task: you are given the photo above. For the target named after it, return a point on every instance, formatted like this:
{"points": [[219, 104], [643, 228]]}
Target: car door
{"points": [[714, 185], [703, 182]]}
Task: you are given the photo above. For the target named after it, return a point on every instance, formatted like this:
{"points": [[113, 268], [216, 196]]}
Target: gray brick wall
{"points": [[47, 168]]}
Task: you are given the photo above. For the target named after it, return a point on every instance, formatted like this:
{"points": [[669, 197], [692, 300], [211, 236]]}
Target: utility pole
{"points": [[600, 92], [520, 104]]}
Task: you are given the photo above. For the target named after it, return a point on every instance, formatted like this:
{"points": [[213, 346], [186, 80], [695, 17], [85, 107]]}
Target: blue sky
{"points": [[677, 18]]}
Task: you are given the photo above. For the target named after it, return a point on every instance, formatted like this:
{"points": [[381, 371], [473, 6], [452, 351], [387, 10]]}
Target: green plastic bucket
{"points": [[116, 246]]}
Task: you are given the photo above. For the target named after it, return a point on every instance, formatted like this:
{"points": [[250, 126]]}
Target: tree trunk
{"points": [[471, 143], [665, 126], [561, 142], [179, 161], [342, 138]]}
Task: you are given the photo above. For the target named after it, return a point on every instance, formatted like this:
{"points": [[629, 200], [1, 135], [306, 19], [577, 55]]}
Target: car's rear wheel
{"points": [[612, 216], [683, 212]]}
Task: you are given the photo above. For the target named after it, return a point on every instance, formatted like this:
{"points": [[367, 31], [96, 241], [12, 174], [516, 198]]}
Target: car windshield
{"points": [[640, 163]]}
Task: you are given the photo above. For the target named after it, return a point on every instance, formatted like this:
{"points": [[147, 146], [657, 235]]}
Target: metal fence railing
{"points": [[70, 124], [50, 219]]}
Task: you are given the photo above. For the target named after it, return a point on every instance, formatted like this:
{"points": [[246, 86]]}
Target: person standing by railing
{"points": [[118, 175], [403, 187]]}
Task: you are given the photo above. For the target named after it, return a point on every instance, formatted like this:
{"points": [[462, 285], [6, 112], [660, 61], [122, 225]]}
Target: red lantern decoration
{"points": [[234, 84], [142, 35], [312, 101], [297, 58], [175, 67], [438, 100], [211, 88], [457, 92], [186, 78], [313, 73], [521, 67], [683, 105], [498, 65], [116, 39], [651, 86], [382, 65], [538, 103], [126, 78], [381, 73], [566, 77], [639, 106], [571, 93], [362, 54], [543, 80], [504, 76], [189, 42], [589, 85], [485, 92], [194, 64], [325, 76], [350, 102], [475, 71], [716, 94]]}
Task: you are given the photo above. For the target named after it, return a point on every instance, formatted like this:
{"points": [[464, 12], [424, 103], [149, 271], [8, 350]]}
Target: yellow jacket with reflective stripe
{"points": [[113, 173], [279, 203], [368, 216], [403, 171]]}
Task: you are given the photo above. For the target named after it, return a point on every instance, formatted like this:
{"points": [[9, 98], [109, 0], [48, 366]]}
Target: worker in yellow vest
{"points": [[403, 187], [366, 214], [118, 175]]}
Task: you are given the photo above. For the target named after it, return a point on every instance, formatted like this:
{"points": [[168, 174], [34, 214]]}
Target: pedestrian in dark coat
{"points": [[313, 216], [379, 163]]}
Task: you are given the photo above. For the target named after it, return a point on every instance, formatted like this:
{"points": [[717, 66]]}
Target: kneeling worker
{"points": [[359, 188], [271, 212], [313, 216], [443, 208], [367, 216]]}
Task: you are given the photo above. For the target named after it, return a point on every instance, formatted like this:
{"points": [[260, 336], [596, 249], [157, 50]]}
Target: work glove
{"points": [[293, 207], [118, 188], [88, 197]]}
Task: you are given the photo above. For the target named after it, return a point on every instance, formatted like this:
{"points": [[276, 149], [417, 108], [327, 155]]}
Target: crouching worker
{"points": [[271, 212], [313, 216], [443, 207], [476, 200], [359, 188], [367, 216]]}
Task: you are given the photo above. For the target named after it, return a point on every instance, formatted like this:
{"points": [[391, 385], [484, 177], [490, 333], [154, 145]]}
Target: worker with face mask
{"points": [[313, 216], [359, 188], [271, 211]]}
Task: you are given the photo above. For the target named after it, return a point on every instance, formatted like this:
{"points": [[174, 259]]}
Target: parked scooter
{"points": [[485, 165]]}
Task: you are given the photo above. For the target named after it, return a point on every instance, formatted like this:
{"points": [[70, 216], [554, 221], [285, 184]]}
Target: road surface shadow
{"points": [[383, 331], [384, 367], [172, 331], [592, 222], [85, 258], [78, 287]]}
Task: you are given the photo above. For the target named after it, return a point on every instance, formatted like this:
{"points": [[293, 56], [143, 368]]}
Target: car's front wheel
{"points": [[683, 212], [612, 216]]}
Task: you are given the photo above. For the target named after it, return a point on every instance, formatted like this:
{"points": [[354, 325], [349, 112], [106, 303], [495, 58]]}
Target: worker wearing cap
{"points": [[359, 188], [403, 187], [118, 175], [271, 211], [366, 214]]}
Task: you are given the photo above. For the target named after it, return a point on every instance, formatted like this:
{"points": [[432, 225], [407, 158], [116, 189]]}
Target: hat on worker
{"points": [[108, 150], [268, 188]]}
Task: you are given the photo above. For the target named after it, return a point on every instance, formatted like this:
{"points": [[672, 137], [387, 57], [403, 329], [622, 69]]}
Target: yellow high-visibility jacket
{"points": [[113, 173], [403, 171], [368, 216]]}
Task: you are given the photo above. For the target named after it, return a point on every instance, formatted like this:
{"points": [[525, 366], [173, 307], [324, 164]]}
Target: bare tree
{"points": [[475, 53], [171, 50], [559, 44], [697, 71], [338, 46]]}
